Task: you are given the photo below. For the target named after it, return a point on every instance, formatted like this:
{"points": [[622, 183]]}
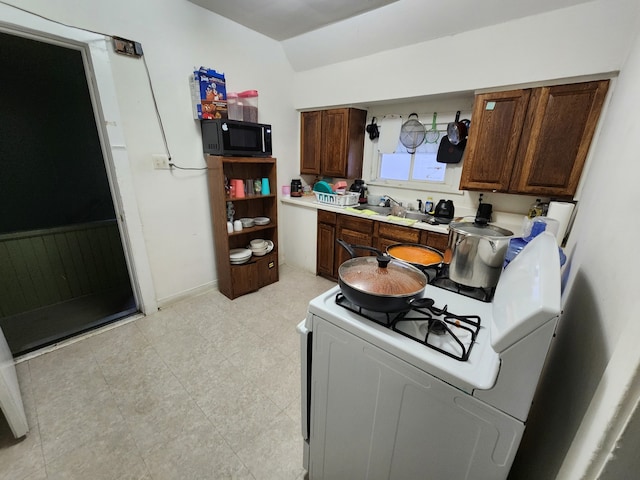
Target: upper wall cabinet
{"points": [[532, 141], [332, 142]]}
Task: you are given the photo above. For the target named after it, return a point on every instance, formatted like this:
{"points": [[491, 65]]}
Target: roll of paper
{"points": [[561, 211], [390, 127]]}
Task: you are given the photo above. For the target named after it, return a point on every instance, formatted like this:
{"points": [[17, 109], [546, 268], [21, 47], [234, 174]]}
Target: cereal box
{"points": [[209, 94]]}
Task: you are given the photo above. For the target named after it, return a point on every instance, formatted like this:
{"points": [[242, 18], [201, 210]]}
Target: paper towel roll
{"points": [[561, 211], [390, 127]]}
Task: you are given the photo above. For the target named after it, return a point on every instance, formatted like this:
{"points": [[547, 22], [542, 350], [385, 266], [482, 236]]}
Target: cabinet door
{"points": [[244, 278], [310, 142], [493, 142], [267, 268], [556, 138], [325, 250], [334, 142]]}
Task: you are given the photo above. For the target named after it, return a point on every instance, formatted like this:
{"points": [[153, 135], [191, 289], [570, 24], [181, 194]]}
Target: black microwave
{"points": [[235, 138]]}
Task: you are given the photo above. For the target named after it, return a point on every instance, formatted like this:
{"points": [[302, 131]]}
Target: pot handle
{"points": [[351, 248]]}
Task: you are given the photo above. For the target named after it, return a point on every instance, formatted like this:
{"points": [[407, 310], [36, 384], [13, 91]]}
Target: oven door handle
{"points": [[305, 370]]}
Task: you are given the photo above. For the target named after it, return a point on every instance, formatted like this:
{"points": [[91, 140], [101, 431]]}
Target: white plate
{"points": [[261, 220], [239, 253]]}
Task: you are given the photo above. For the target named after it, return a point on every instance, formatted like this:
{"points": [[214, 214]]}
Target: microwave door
{"points": [[244, 139]]}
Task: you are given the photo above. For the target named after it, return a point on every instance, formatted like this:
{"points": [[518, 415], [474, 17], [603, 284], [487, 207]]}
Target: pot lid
{"points": [[478, 230], [395, 279]]}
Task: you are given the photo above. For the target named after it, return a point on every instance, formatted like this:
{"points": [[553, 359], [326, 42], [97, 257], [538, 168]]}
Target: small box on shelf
{"points": [[209, 94]]}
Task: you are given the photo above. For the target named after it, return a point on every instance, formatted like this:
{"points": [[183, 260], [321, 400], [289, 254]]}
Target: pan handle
{"points": [[351, 248]]}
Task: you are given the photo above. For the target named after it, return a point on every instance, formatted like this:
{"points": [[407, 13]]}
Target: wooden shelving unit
{"points": [[237, 280]]}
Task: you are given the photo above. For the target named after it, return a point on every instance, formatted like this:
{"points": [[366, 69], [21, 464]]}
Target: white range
{"points": [[378, 404]]}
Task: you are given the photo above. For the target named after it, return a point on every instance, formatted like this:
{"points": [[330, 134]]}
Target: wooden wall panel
{"points": [[45, 267]]}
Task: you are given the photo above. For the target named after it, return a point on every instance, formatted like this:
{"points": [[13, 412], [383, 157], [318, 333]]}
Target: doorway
{"points": [[63, 265]]}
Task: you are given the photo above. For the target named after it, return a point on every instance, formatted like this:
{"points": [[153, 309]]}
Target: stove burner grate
{"points": [[439, 323], [440, 278]]}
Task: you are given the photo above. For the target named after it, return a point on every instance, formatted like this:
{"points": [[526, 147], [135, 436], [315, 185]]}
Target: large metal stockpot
{"points": [[477, 253]]}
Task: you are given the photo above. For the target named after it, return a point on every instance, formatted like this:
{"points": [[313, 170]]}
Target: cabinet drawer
{"points": [[326, 217], [399, 234], [356, 224]]}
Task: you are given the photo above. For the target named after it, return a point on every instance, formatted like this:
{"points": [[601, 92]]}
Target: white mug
{"points": [[229, 227], [237, 225]]}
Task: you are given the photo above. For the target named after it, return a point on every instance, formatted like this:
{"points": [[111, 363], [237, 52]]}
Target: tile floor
{"points": [[207, 388]]}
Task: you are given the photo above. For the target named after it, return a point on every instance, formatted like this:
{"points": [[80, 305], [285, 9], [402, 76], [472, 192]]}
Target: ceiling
{"points": [[314, 33], [282, 19]]}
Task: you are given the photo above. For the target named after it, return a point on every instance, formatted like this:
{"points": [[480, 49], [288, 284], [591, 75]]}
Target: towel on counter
{"points": [[406, 221], [361, 212]]}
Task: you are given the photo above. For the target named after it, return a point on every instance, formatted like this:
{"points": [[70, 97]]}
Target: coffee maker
{"points": [[359, 186]]}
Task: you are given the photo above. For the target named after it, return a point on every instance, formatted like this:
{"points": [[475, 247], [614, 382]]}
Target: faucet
{"points": [[388, 201], [397, 209]]}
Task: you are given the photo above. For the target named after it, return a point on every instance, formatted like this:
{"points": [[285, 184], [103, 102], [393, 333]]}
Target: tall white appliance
{"points": [[379, 404]]}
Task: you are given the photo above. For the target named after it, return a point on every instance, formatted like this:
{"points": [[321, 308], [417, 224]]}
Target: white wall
{"points": [[177, 35], [575, 41], [597, 359]]}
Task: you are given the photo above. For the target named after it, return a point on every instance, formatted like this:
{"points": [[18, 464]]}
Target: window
{"points": [[420, 166], [391, 165]]}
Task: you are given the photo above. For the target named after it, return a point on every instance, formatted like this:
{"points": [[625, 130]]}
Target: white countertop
{"points": [[509, 221]]}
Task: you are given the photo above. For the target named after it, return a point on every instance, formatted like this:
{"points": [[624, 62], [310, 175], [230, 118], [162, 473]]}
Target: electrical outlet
{"points": [[160, 161]]}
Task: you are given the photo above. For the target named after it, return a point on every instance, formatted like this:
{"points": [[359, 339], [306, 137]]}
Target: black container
{"points": [[296, 187]]}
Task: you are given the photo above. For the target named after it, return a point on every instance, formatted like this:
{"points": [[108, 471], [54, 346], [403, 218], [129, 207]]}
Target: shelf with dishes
{"points": [[252, 230], [241, 215], [258, 247]]}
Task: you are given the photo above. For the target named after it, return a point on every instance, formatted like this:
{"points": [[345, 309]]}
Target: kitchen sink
{"points": [[421, 217], [375, 208]]}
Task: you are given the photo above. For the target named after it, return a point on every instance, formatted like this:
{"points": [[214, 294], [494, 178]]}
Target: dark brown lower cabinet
{"points": [[362, 231]]}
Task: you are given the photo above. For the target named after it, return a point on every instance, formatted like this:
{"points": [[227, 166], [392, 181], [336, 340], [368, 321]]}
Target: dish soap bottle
{"points": [[428, 206]]}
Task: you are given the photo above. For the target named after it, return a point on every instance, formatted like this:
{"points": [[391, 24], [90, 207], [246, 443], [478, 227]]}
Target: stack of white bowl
{"points": [[260, 247], [247, 222], [238, 256]]}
